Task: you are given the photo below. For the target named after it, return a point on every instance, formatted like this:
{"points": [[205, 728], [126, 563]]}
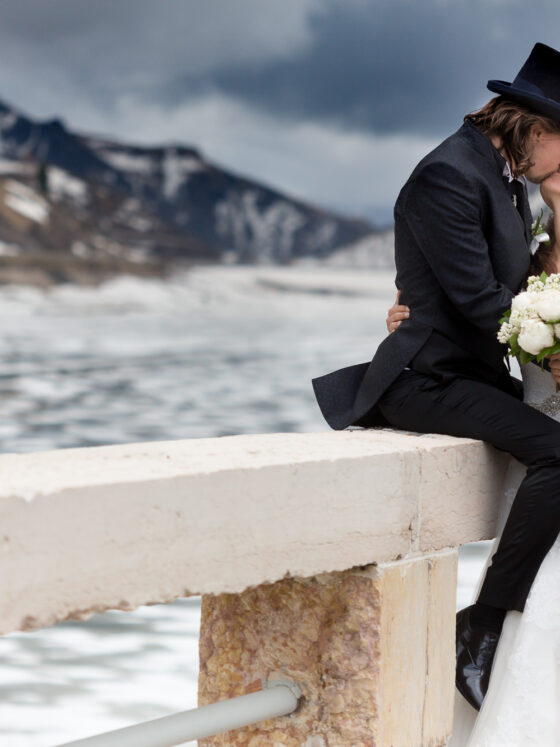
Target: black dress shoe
{"points": [[475, 647]]}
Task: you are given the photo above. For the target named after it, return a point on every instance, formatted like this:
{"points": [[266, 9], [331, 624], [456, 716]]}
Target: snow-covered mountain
{"points": [[62, 191], [374, 252]]}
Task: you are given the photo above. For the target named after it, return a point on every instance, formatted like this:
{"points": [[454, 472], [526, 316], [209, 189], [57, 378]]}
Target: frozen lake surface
{"points": [[217, 351]]}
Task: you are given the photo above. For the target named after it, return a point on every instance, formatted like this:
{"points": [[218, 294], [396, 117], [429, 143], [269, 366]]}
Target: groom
{"points": [[462, 233]]}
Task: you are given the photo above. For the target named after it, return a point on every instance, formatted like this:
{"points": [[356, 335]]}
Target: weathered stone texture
{"points": [[371, 648], [149, 522]]}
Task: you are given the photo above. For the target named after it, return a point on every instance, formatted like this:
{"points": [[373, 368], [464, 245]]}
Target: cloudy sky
{"points": [[333, 101]]}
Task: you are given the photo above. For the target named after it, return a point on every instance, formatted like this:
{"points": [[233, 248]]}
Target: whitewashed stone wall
{"points": [[114, 527]]}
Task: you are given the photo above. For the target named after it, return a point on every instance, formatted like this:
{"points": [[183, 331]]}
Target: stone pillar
{"points": [[372, 649]]}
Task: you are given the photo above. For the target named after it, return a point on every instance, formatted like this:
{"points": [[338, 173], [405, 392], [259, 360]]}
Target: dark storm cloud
{"points": [[108, 48], [393, 65], [380, 66]]}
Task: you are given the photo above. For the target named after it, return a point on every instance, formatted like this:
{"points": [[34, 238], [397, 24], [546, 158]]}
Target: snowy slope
{"points": [[168, 201]]}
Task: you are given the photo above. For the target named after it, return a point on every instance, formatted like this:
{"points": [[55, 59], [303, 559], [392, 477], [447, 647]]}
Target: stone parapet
{"points": [[113, 527]]}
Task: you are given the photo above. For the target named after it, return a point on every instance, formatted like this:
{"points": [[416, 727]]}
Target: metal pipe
{"points": [[278, 698]]}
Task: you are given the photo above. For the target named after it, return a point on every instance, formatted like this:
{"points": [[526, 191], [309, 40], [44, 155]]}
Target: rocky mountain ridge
{"points": [[94, 198]]}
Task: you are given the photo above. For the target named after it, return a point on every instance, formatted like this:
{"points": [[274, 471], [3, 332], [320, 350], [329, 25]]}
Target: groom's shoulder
{"points": [[453, 161], [455, 154]]}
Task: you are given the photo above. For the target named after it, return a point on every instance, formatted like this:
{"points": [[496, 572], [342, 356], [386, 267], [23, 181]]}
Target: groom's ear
{"points": [[535, 133]]}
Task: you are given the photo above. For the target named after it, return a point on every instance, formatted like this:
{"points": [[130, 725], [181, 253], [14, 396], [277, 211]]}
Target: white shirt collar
{"points": [[509, 174]]}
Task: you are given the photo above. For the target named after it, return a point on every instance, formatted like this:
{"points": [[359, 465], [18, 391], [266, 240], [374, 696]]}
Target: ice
{"points": [[215, 350]]}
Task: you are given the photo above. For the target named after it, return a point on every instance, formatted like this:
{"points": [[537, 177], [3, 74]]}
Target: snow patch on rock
{"points": [[26, 201]]}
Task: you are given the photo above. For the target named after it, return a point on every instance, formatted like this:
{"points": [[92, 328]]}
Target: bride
{"points": [[522, 704]]}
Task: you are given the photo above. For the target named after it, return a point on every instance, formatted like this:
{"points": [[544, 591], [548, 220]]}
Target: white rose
{"points": [[523, 300], [547, 304], [535, 336], [557, 331]]}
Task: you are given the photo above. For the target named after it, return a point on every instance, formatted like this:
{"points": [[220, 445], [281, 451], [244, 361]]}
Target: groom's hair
{"points": [[512, 122]]}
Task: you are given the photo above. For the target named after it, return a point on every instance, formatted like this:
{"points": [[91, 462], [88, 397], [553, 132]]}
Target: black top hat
{"points": [[537, 84]]}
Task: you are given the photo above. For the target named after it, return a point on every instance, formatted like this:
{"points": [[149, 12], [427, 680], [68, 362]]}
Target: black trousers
{"points": [[470, 408]]}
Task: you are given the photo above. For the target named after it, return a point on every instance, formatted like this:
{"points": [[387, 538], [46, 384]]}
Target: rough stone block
{"points": [[372, 649]]}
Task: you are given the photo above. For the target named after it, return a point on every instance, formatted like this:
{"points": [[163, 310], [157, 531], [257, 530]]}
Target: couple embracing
{"points": [[463, 250]]}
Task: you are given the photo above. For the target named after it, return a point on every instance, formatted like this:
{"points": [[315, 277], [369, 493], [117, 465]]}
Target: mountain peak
{"points": [[165, 199], [5, 108], [54, 124]]}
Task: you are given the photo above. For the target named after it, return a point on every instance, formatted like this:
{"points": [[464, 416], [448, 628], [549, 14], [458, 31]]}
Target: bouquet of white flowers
{"points": [[531, 328]]}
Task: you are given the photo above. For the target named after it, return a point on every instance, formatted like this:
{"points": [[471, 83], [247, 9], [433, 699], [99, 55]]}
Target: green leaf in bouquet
{"points": [[525, 357], [551, 350], [514, 345], [543, 276]]}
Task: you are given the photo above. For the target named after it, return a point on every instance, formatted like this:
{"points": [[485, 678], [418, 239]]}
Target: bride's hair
{"points": [[542, 259], [512, 123]]}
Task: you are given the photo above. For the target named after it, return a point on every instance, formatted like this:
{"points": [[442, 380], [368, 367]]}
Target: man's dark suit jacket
{"points": [[461, 254]]}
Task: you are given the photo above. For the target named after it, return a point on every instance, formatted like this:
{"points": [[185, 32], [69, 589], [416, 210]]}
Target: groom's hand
{"points": [[396, 314], [554, 361]]}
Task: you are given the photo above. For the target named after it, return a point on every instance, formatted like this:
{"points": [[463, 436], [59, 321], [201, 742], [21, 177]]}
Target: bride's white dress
{"points": [[522, 705]]}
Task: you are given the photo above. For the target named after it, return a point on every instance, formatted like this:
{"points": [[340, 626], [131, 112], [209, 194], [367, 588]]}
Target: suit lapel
{"points": [[520, 210], [527, 215], [495, 163]]}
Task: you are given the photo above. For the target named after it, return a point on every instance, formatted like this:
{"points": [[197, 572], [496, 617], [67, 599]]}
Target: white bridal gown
{"points": [[522, 705]]}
